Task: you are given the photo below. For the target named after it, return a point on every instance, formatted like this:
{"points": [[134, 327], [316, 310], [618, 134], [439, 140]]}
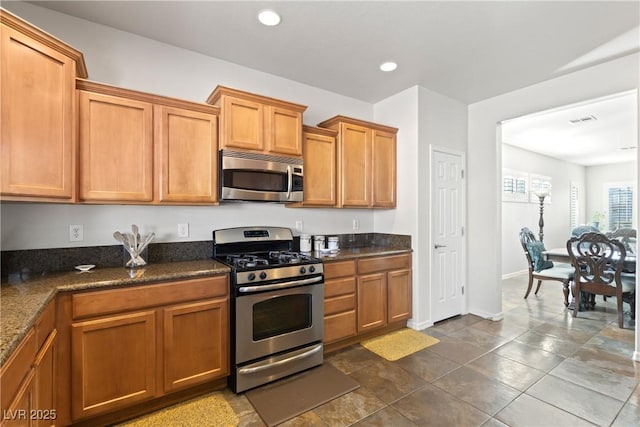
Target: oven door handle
{"points": [[270, 365], [249, 289]]}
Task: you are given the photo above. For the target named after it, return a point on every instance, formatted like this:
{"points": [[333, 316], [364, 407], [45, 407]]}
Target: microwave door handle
{"points": [[289, 182]]}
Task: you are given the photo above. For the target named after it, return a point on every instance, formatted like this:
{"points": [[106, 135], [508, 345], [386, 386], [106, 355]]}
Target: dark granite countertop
{"points": [[351, 253], [22, 298]]}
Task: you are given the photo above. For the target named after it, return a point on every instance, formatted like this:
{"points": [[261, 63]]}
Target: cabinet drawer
{"points": [[337, 287], [339, 304], [394, 262], [339, 269], [339, 326], [16, 368], [119, 300]]}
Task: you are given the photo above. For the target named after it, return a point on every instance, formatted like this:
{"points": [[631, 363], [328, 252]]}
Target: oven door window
{"points": [[281, 315], [255, 180]]}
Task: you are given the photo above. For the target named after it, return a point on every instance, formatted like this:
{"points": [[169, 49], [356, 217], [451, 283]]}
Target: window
{"points": [[619, 199], [515, 186]]}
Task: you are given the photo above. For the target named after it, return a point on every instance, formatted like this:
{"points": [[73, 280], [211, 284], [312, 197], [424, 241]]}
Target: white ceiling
{"points": [[469, 51], [605, 131]]}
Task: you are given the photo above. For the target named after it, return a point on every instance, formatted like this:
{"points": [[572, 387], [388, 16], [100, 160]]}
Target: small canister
{"points": [[318, 243], [332, 243], [305, 243]]}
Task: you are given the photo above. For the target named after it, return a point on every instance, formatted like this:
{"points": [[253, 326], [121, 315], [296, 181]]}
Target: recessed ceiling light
{"points": [[388, 66], [269, 18]]}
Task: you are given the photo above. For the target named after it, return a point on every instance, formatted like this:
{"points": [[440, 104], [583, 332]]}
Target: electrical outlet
{"points": [[356, 224], [183, 230], [299, 225], [76, 233]]}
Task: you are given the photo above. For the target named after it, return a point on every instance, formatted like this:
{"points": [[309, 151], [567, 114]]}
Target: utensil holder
{"points": [[134, 260]]}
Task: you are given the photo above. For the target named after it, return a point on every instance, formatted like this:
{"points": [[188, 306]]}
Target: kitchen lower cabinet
{"points": [[339, 300], [114, 362], [365, 297], [384, 291], [129, 347], [195, 349], [372, 301], [27, 379], [145, 149], [38, 107]]}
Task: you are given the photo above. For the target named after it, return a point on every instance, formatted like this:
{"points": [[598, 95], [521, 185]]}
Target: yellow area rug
{"points": [[399, 344], [208, 410]]}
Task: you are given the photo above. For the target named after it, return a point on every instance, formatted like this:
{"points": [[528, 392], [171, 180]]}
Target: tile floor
{"points": [[537, 367]]}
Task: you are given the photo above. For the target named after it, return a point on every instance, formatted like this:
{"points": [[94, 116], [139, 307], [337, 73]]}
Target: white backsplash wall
{"points": [[41, 226]]}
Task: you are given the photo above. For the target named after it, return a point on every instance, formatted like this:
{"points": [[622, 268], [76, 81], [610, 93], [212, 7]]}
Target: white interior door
{"points": [[447, 241]]}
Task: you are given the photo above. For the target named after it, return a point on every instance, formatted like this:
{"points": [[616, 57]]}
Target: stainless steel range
{"points": [[277, 309]]}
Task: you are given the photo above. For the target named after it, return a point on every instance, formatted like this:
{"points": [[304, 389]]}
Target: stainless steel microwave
{"points": [[248, 176]]}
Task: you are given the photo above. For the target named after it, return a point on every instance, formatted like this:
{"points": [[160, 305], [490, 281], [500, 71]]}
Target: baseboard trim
{"points": [[514, 274]]}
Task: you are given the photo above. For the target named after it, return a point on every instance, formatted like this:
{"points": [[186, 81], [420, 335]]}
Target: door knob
{"points": [[437, 246]]}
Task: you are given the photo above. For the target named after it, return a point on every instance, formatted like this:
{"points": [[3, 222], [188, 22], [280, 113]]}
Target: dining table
{"points": [[562, 255]]}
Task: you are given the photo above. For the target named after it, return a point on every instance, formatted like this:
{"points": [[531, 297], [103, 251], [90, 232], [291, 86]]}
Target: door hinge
{"points": [[462, 231], [462, 173], [463, 290]]}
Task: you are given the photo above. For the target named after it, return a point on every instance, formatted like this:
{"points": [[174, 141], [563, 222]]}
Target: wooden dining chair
{"points": [[539, 269], [599, 262]]}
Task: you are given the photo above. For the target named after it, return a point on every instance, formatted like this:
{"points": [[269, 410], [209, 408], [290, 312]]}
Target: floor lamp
{"points": [[541, 196]]}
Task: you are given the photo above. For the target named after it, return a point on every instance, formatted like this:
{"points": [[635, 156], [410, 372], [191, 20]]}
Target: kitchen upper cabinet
{"points": [[141, 148], [128, 346], [258, 123], [116, 148], [39, 110], [320, 162], [366, 163], [186, 144]]}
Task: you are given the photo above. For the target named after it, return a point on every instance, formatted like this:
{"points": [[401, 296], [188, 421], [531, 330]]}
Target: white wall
{"points": [[598, 176], [424, 118], [134, 62], [557, 220]]}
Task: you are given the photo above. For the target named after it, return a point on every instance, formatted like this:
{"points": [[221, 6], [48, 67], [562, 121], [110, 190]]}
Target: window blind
{"points": [[620, 207], [574, 206]]}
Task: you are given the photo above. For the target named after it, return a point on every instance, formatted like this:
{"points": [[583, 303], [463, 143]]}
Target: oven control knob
{"points": [[251, 276], [312, 269], [303, 270], [263, 275]]}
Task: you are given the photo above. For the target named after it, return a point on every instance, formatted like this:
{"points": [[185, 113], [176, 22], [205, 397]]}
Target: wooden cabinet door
{"points": [[355, 153], [21, 410], [372, 301], [113, 363], [384, 169], [44, 385], [116, 149], [38, 119], [283, 131], [319, 170], [186, 155], [196, 343], [398, 295], [242, 124]]}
